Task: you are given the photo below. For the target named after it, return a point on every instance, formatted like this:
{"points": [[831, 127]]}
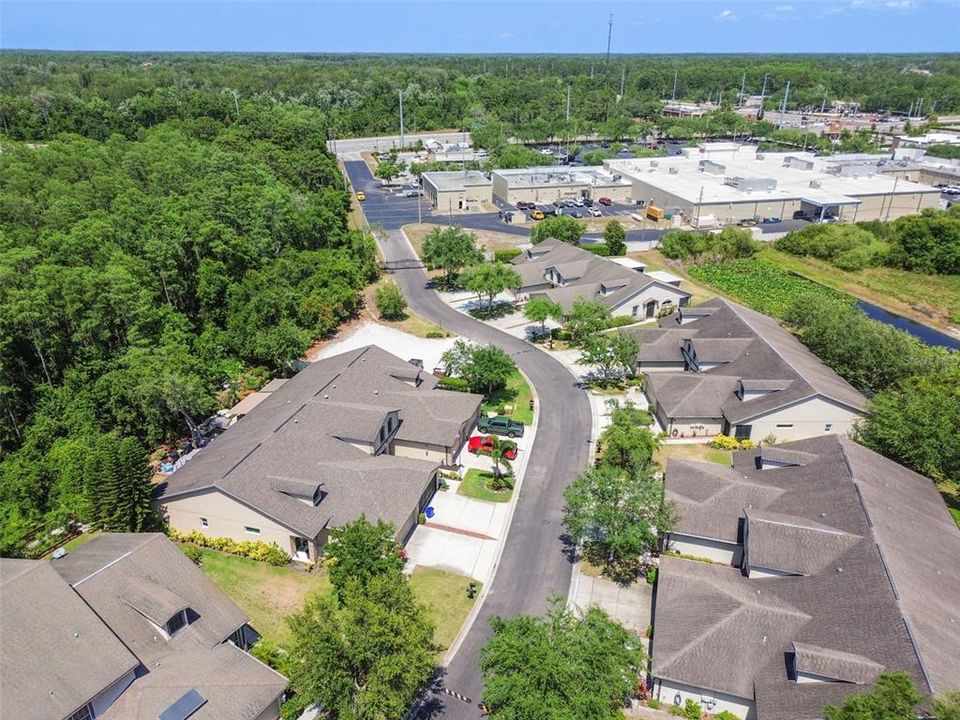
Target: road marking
{"points": [[458, 696]]}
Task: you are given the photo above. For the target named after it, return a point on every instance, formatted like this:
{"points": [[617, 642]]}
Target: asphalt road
{"points": [[535, 564]]}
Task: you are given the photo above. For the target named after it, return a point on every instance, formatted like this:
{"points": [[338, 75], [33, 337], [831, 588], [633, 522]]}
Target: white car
{"points": [[595, 212]]}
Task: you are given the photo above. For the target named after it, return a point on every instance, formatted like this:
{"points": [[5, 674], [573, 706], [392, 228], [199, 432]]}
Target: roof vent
{"points": [[839, 569], [376, 392]]}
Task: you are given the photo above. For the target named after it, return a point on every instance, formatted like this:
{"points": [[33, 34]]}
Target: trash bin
{"points": [[428, 511]]}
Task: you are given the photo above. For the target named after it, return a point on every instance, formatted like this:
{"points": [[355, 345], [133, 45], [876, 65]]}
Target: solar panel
{"points": [[184, 707]]}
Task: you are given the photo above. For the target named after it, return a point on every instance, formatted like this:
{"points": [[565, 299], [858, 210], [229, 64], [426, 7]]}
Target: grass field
{"points": [[474, 484], [899, 291], [446, 595], [269, 594], [518, 394], [703, 453]]}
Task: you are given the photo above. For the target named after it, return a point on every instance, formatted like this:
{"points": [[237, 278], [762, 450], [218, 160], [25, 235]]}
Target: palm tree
{"points": [[498, 453]]}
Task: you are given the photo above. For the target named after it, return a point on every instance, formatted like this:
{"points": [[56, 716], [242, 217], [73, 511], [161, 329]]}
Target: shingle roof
{"points": [[57, 654], [877, 552], [691, 395], [103, 572], [757, 351], [301, 433]]}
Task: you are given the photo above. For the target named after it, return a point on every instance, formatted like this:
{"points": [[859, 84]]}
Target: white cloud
{"points": [[895, 5], [506, 36], [725, 16], [832, 10]]}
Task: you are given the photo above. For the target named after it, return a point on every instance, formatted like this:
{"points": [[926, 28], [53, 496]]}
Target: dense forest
{"points": [[146, 275]]}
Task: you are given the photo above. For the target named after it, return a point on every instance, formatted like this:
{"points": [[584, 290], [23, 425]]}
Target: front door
{"points": [[301, 549], [651, 308], [743, 432]]}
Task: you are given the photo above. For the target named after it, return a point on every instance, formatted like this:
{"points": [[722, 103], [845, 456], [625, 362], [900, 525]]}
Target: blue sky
{"points": [[470, 26]]}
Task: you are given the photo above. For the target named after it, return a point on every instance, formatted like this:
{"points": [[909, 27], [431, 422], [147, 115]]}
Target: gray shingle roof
{"points": [[757, 351], [300, 433], [691, 395], [57, 654], [877, 552]]}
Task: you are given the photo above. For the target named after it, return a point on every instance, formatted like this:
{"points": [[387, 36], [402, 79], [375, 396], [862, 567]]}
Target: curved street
{"points": [[534, 565]]}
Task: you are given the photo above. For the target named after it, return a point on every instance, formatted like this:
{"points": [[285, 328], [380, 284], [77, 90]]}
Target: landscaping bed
{"points": [[476, 484]]}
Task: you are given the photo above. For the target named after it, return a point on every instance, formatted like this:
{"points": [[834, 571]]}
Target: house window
{"points": [[204, 522], [251, 530], [827, 427], [636, 309], [784, 425], [175, 623], [84, 713]]}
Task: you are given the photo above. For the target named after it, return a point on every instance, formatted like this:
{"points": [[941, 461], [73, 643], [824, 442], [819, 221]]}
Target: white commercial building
{"points": [[728, 182], [457, 190], [547, 184]]}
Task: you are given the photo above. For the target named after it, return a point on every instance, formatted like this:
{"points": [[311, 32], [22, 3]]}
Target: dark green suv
{"points": [[500, 425]]}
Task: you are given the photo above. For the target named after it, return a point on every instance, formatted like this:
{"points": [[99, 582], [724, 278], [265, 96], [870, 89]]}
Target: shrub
{"points": [[454, 383], [253, 549], [434, 334], [653, 703], [621, 320], [725, 715], [651, 575], [192, 552], [724, 442], [506, 255], [601, 249], [390, 302]]}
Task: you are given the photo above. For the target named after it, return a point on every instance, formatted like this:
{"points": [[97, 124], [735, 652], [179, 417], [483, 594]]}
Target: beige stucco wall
{"points": [[666, 690], [420, 451], [693, 427], [226, 518], [809, 419], [545, 194], [640, 300], [716, 550]]}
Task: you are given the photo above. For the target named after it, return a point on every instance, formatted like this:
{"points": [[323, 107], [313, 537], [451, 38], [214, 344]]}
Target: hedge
{"points": [[253, 549], [725, 442], [601, 249], [506, 255], [454, 383]]}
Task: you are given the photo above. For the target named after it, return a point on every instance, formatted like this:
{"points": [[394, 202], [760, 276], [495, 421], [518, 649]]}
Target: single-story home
{"points": [[563, 273], [723, 368], [126, 627], [361, 433], [814, 578]]}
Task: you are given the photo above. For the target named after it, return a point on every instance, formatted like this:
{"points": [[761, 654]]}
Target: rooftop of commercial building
{"points": [[560, 175], [456, 179], [730, 173]]}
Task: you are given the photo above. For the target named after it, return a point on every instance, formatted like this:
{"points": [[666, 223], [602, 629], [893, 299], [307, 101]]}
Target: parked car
{"points": [[361, 196], [412, 193], [588, 202], [537, 215], [576, 214], [578, 202], [595, 212], [483, 445], [569, 203], [747, 222], [524, 205], [605, 201], [500, 425], [770, 220], [800, 215]]}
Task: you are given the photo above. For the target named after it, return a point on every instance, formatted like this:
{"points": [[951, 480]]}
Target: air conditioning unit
{"points": [[674, 171], [815, 183], [654, 163], [761, 156]]}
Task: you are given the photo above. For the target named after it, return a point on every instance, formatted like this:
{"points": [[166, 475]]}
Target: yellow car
{"points": [[361, 196], [537, 215]]}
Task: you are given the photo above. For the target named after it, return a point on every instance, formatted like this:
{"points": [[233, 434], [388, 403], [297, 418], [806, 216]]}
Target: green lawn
{"points": [[474, 484], [269, 594], [266, 593], [446, 595], [518, 394], [702, 453]]}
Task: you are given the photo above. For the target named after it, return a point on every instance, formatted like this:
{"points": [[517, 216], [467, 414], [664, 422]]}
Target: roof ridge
{"points": [[824, 529]]}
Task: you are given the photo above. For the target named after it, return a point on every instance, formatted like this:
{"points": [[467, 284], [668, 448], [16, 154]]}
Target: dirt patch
{"points": [[487, 239]]}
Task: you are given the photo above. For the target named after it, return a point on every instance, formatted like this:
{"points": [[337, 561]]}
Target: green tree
{"points": [[498, 455], [629, 448], [541, 309], [389, 168], [361, 551], [390, 302], [615, 237], [490, 279], [563, 666], [893, 697], [450, 248], [118, 485], [617, 517], [364, 655], [586, 318], [489, 369], [917, 423], [610, 352], [560, 227]]}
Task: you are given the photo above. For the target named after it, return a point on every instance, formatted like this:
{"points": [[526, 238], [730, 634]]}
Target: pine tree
{"points": [[134, 469]]}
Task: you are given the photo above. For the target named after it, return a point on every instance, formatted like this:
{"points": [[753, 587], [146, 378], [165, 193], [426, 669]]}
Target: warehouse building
{"points": [[547, 184], [456, 190], [723, 183]]}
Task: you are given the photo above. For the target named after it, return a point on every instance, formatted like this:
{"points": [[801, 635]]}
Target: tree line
{"points": [[147, 280]]}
